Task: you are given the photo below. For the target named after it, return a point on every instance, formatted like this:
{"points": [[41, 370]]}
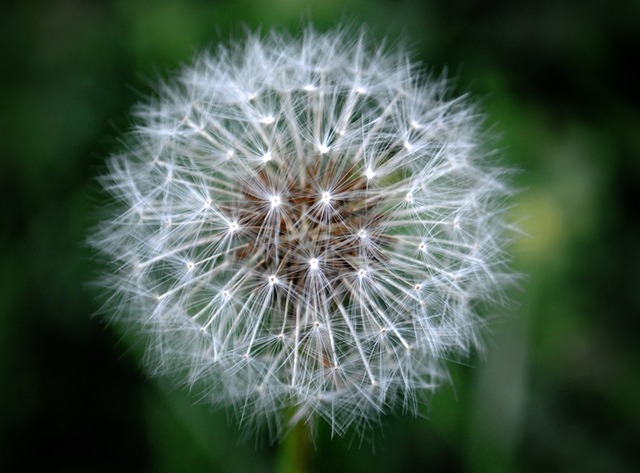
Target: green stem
{"points": [[294, 451]]}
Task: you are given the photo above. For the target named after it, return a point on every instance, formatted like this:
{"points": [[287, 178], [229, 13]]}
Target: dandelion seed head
{"points": [[270, 242]]}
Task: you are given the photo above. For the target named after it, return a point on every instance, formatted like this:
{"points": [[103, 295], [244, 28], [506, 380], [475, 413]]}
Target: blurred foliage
{"points": [[558, 386]]}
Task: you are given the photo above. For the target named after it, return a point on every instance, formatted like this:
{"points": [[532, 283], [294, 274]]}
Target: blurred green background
{"points": [[558, 388]]}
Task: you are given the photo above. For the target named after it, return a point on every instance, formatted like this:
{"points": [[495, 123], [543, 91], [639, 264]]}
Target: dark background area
{"points": [[558, 387]]}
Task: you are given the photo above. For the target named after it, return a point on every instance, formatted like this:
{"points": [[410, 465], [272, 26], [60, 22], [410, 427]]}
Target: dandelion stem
{"points": [[294, 452]]}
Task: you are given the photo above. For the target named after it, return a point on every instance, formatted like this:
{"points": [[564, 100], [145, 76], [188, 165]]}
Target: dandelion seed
{"points": [[323, 149], [329, 307], [275, 201], [369, 174], [268, 120]]}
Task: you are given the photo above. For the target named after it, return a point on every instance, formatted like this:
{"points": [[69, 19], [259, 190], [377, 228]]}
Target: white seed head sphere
{"points": [[304, 227]]}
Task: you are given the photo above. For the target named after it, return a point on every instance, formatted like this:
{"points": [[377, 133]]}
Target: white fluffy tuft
{"points": [[305, 225]]}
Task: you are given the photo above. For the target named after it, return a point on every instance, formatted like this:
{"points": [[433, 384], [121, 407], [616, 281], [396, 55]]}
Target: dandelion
{"points": [[304, 228]]}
